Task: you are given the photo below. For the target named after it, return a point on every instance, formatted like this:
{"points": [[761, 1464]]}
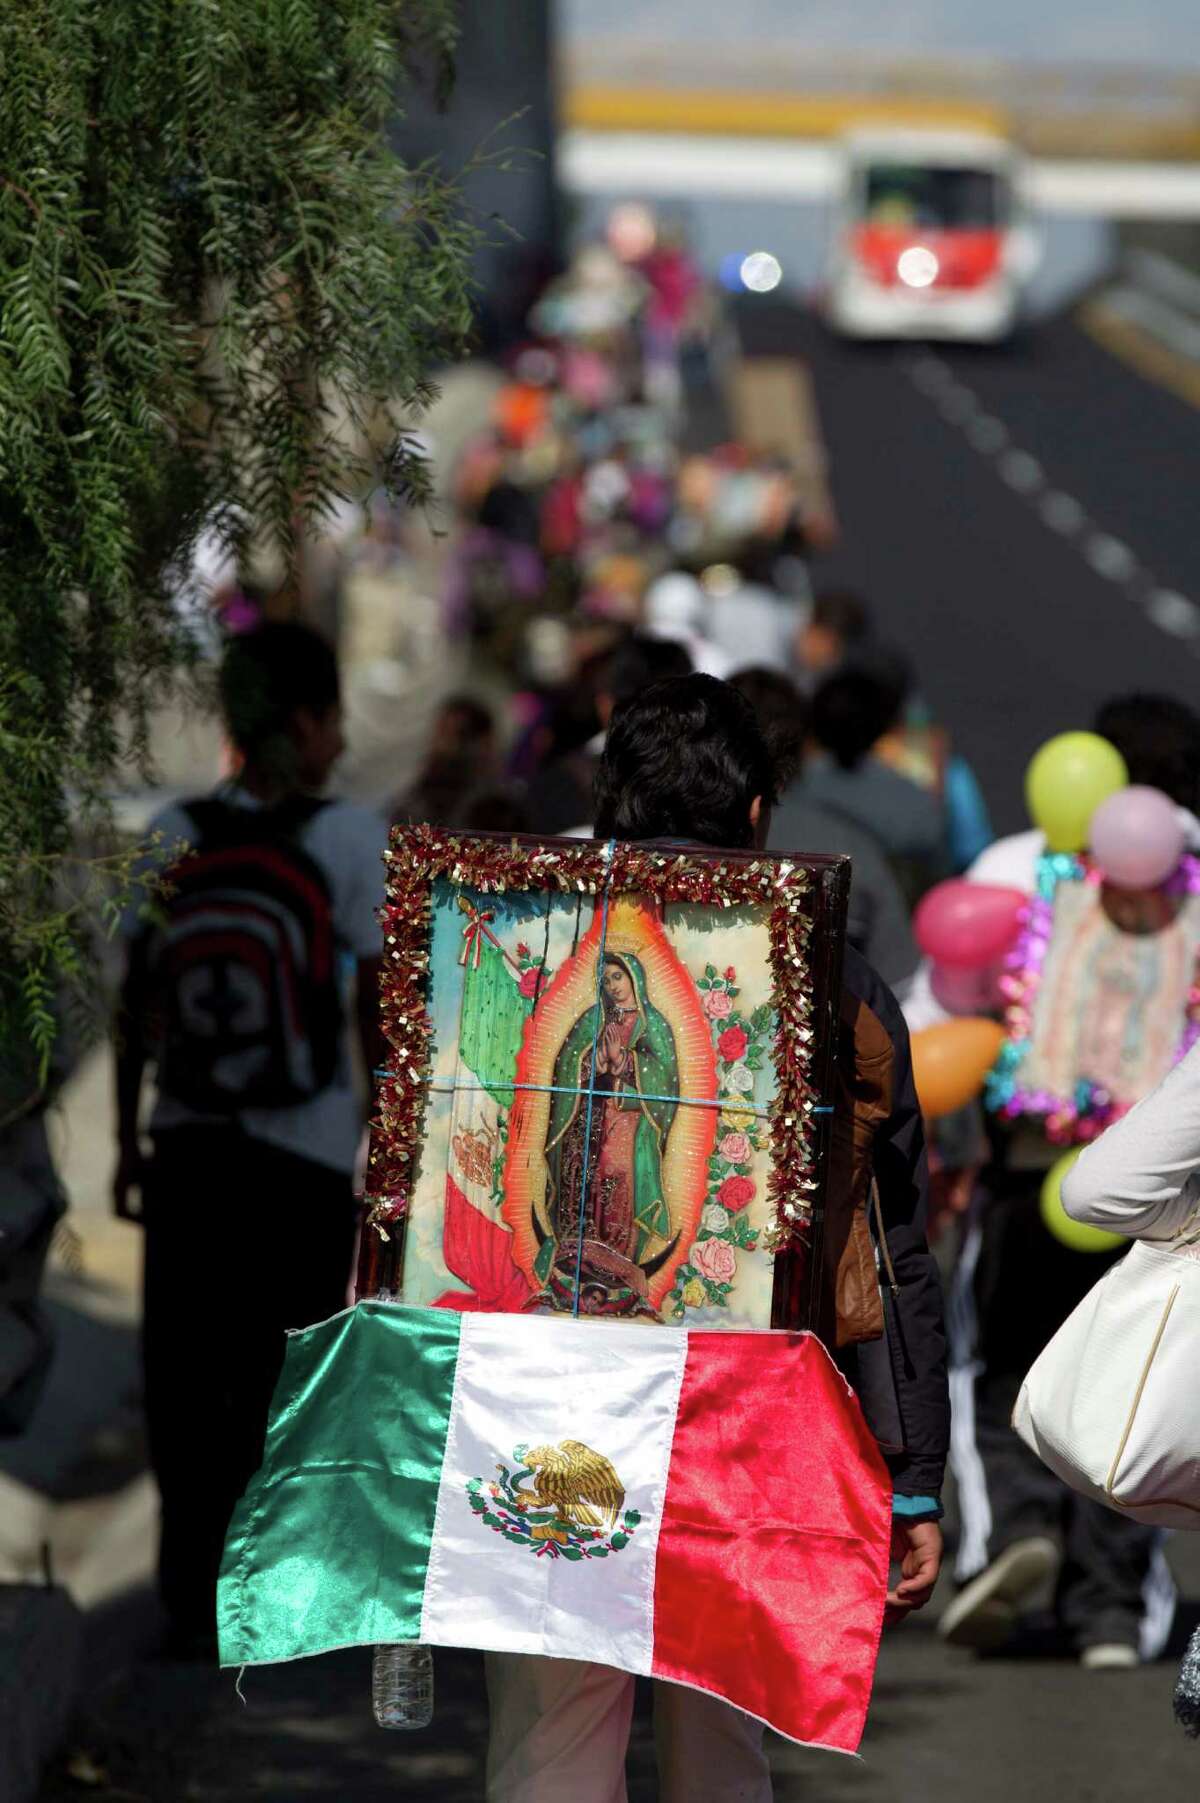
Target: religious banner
{"points": [[1103, 992], [607, 1092]]}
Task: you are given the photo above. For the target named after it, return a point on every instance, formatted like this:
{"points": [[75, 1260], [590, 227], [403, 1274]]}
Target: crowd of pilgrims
{"points": [[607, 532]]}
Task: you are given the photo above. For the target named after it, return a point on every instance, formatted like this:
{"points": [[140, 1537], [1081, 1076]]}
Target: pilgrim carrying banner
{"points": [[605, 1111]]}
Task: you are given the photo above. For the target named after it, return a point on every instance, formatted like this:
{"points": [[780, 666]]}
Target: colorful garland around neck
{"points": [[1068, 1120]]}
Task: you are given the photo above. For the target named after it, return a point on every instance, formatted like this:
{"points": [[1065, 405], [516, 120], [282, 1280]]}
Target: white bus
{"points": [[930, 238]]}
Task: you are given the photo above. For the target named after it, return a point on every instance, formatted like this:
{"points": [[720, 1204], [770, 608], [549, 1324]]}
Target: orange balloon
{"points": [[950, 1062]]}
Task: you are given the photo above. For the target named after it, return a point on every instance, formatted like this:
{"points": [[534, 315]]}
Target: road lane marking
{"points": [[931, 375], [1062, 513], [1166, 277], [987, 434], [1132, 343], [1108, 556], [1174, 613], [1021, 471], [958, 404]]}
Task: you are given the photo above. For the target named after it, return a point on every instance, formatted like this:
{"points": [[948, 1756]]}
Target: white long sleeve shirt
{"points": [[1142, 1177]]}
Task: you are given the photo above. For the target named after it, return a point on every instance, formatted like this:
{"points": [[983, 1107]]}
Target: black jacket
{"points": [[900, 1376]]}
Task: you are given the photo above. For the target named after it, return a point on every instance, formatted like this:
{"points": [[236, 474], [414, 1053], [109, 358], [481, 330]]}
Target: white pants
{"points": [[560, 1731]]}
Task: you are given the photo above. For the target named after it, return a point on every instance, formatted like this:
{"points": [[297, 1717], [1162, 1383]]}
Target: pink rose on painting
{"points": [[532, 979], [718, 1004], [732, 1044], [735, 1193], [716, 1260], [735, 1148]]}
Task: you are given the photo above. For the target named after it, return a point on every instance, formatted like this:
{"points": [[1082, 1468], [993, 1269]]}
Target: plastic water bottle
{"points": [[402, 1685]]}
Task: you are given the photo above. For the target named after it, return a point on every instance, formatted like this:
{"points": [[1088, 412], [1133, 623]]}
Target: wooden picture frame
{"points": [[609, 1082]]}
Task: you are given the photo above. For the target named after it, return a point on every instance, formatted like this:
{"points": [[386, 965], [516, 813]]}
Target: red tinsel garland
{"points": [[419, 855]]}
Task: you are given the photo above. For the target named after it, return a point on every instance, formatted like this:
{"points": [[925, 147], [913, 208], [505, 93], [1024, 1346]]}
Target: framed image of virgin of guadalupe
{"points": [[606, 1089]]}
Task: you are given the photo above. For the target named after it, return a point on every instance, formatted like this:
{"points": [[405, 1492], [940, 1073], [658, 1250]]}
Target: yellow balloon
{"points": [[1075, 1234], [1066, 782], [950, 1062]]}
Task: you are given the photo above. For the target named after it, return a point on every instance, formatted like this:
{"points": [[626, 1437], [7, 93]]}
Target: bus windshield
{"points": [[937, 197]]}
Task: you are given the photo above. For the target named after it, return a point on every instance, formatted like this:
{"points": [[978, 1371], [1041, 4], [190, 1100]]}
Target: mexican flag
{"points": [[495, 1009], [706, 1507]]}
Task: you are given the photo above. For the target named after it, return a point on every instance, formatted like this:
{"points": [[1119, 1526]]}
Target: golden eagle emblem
{"points": [[562, 1502], [579, 1483]]}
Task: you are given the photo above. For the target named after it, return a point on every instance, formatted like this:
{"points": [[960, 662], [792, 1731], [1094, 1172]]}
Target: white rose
{"points": [[740, 1079], [715, 1219]]}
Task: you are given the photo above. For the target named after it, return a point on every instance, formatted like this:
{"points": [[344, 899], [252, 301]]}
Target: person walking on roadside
{"points": [[878, 923], [852, 712], [686, 765], [240, 995], [1014, 1284]]}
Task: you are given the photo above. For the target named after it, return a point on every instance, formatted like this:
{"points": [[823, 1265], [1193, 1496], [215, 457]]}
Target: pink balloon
{"points": [[968, 924], [962, 991], [1136, 838]]}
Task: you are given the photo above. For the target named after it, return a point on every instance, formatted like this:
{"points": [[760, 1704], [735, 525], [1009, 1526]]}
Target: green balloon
{"points": [[1066, 782], [1075, 1234]]}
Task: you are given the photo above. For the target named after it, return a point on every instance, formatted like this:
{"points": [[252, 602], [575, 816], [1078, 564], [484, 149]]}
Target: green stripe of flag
{"points": [[347, 1489]]}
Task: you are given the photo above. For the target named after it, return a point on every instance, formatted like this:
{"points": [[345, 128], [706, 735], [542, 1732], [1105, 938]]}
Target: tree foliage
{"points": [[210, 259]]}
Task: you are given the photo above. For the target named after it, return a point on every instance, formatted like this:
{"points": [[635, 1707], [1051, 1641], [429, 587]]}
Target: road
{"points": [[1022, 520], [944, 1728]]}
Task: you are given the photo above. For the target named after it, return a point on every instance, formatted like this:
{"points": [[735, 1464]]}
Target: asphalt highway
{"points": [[945, 1727], [1022, 521]]}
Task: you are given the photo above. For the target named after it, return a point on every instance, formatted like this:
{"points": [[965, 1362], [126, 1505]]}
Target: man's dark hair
{"points": [[782, 713], [268, 675], [840, 610], [1159, 738], [684, 759], [640, 660], [850, 712]]}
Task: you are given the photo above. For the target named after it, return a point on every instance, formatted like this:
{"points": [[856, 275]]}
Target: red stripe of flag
{"points": [[773, 1551]]}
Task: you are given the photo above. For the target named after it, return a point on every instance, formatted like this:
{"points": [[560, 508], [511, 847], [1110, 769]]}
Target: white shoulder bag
{"points": [[1112, 1405]]}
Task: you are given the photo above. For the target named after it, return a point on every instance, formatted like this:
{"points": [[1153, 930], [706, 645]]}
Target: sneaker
{"points": [[1110, 1656], [984, 1614]]}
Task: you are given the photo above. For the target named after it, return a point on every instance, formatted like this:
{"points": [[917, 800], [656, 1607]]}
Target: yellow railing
{"points": [[1106, 112], [766, 115]]}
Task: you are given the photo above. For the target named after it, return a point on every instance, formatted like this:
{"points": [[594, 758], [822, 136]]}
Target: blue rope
{"points": [[729, 1104], [609, 848]]}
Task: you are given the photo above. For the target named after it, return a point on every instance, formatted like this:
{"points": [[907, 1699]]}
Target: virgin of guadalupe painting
{"points": [[622, 1103], [608, 1227], [593, 1071]]}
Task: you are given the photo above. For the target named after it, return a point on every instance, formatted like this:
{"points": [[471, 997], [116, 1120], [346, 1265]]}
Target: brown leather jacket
{"points": [[881, 1308]]}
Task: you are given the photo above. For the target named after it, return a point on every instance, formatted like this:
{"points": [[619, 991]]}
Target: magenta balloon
{"points": [[962, 991], [968, 924], [1136, 838]]}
